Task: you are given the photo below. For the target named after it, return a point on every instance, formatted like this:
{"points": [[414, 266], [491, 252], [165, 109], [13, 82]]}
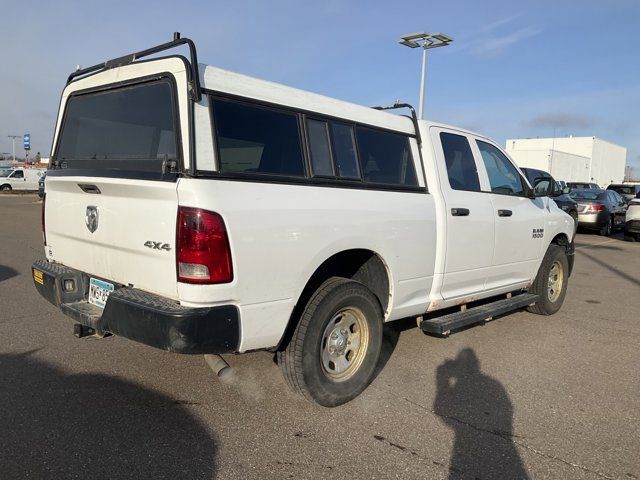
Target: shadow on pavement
{"points": [[56, 425], [390, 337], [478, 410], [611, 268], [7, 272]]}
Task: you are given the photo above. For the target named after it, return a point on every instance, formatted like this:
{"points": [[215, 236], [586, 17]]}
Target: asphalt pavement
{"points": [[523, 396]]}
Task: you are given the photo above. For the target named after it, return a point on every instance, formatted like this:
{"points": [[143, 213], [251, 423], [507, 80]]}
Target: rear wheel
{"points": [[605, 231], [334, 349], [5, 188], [551, 282]]}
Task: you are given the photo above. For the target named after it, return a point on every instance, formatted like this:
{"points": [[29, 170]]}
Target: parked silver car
{"points": [[628, 192], [598, 209]]}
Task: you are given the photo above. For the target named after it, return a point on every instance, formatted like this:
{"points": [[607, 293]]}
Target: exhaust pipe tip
{"points": [[80, 330], [220, 367]]}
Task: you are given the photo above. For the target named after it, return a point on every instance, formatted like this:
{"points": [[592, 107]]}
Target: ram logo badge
{"points": [[538, 232], [157, 245], [91, 218]]}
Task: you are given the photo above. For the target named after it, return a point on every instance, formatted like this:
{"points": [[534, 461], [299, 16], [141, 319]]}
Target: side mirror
{"points": [[566, 190], [542, 190]]}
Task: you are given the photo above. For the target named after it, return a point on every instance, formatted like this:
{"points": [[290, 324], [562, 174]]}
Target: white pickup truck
{"points": [[206, 212]]}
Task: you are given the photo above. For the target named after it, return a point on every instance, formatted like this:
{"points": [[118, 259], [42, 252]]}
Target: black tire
{"points": [[302, 362], [630, 238], [606, 229], [549, 303], [5, 188]]}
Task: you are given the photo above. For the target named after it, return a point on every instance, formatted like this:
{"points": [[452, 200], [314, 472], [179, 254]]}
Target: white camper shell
{"points": [[203, 211]]}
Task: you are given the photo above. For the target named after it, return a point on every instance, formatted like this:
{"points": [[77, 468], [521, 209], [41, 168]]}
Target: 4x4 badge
{"points": [[91, 218], [157, 245]]}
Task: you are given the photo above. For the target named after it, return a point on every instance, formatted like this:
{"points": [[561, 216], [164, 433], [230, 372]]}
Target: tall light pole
{"points": [[425, 41], [13, 138]]}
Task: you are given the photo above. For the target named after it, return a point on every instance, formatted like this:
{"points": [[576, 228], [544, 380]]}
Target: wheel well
{"points": [[560, 239], [361, 265]]}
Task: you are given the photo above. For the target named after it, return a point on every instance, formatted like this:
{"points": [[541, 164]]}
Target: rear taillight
{"points": [[202, 247], [44, 232], [594, 208]]}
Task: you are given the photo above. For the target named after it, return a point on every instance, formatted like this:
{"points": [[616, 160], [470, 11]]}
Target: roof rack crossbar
{"points": [[194, 81], [414, 117]]}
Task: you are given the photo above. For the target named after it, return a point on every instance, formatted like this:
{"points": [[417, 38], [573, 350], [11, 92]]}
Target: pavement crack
{"points": [[562, 460], [414, 453], [510, 437], [499, 433]]}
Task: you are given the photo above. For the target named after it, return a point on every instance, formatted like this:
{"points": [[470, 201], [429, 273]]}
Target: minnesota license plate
{"points": [[99, 292]]}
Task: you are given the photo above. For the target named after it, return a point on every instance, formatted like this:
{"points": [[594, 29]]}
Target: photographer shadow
{"points": [[57, 425], [478, 410]]}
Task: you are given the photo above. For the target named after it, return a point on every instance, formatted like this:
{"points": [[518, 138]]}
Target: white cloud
{"points": [[493, 46]]}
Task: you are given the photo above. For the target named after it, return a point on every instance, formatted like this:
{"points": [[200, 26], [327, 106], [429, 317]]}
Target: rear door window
{"points": [[385, 157], [461, 166], [256, 139], [128, 128]]}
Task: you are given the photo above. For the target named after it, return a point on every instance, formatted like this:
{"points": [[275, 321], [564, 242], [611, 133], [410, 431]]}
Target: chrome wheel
{"points": [[555, 282], [344, 344]]}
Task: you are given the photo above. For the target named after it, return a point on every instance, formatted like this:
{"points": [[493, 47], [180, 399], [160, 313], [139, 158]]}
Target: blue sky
{"points": [[515, 69]]}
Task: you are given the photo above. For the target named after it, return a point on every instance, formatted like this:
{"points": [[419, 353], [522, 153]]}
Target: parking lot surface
{"points": [[521, 397]]}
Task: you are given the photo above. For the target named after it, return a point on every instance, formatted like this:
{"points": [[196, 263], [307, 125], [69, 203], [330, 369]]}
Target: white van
{"points": [[202, 211], [20, 178]]}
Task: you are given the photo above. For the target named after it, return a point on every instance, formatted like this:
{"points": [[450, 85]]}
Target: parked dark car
{"points": [[599, 209], [628, 192], [540, 179], [582, 185], [41, 186]]}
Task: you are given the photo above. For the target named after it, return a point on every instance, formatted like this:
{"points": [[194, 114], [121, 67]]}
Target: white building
{"points": [[572, 159]]}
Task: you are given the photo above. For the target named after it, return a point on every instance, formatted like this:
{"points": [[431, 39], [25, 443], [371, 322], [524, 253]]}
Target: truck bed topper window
{"points": [[131, 128], [256, 139]]}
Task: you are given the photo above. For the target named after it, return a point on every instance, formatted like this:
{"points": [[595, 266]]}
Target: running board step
{"points": [[443, 325]]}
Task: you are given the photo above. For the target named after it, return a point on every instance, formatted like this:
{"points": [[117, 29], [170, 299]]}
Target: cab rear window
{"points": [[130, 128]]}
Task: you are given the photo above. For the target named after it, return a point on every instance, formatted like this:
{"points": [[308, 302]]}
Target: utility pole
{"points": [[13, 139]]}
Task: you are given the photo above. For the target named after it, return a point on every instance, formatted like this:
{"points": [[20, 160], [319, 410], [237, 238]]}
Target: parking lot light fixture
{"points": [[424, 41]]}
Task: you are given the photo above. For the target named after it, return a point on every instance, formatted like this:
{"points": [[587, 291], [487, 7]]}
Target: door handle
{"points": [[505, 213], [460, 212]]}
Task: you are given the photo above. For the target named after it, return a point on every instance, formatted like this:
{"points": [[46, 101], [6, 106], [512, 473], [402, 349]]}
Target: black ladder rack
{"points": [[194, 80]]}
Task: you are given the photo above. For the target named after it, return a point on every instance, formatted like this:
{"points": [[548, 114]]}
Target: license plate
{"points": [[38, 276], [99, 292]]}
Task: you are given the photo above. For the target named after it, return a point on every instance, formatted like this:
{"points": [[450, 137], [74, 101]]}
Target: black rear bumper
{"points": [[632, 227], [141, 316]]}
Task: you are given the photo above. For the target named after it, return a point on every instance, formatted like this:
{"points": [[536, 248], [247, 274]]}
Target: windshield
{"points": [[129, 128], [5, 173], [622, 190]]}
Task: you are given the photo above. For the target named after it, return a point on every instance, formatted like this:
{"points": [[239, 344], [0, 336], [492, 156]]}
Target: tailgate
{"points": [[111, 192], [134, 229]]}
